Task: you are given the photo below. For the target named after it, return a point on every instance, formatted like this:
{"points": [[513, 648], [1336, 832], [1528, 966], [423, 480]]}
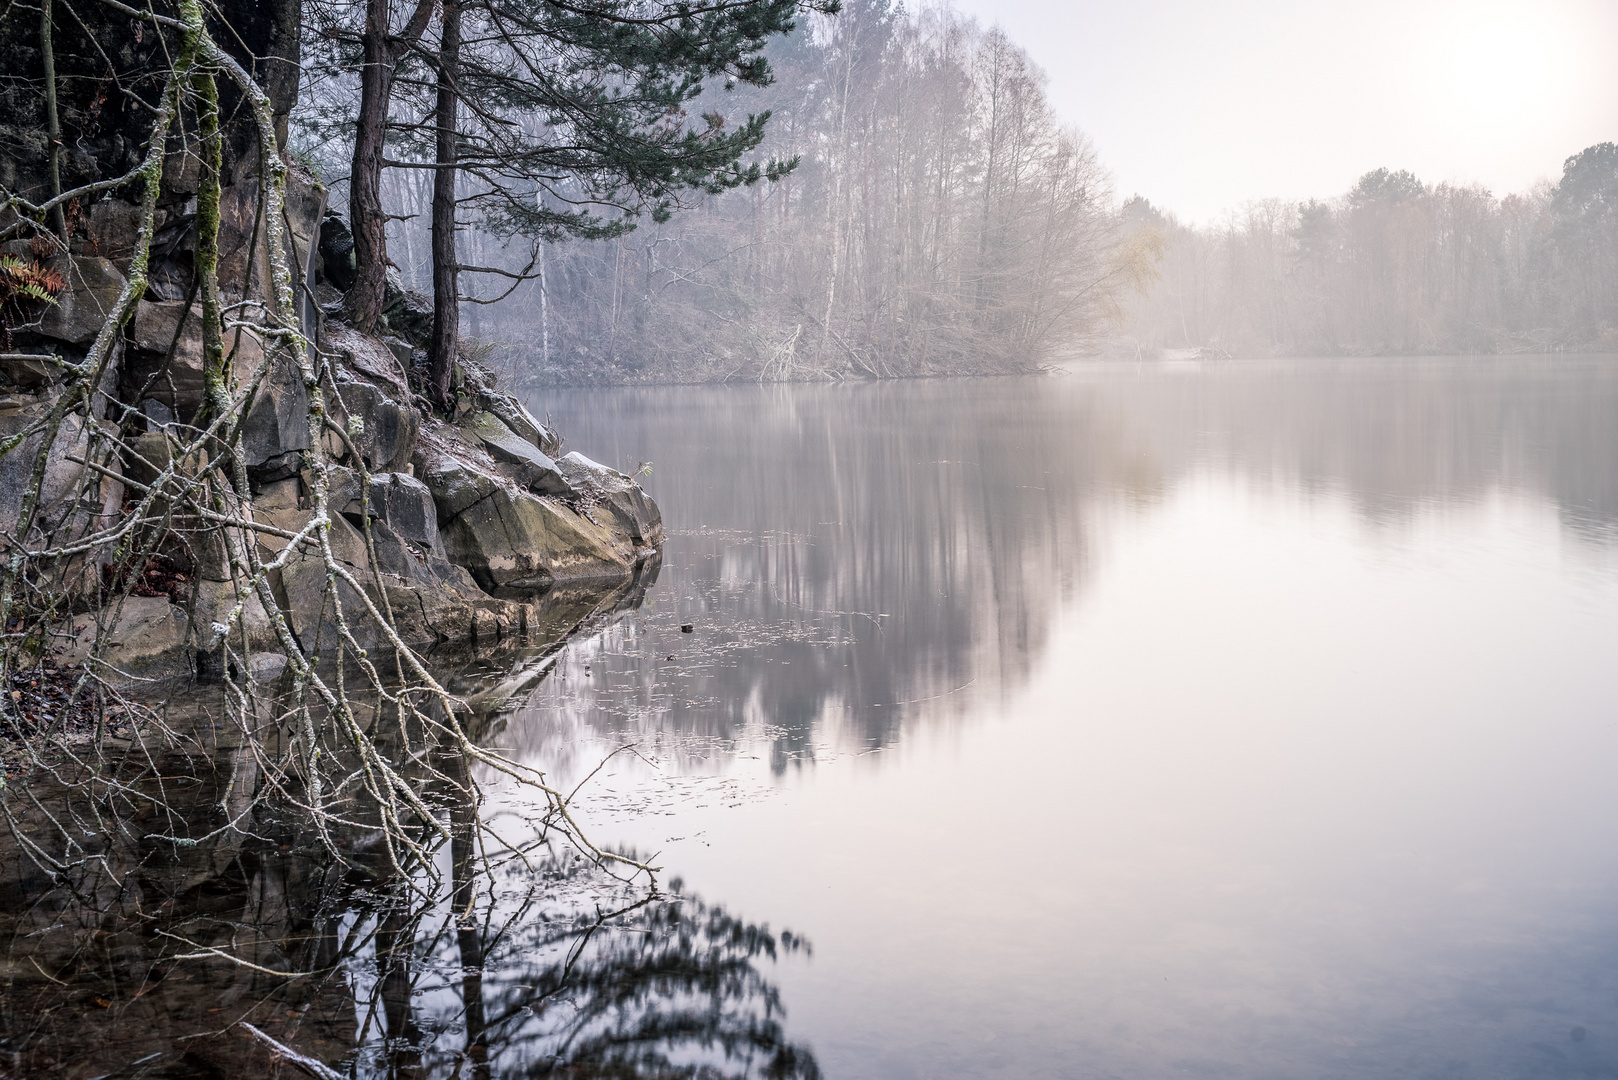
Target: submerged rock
{"points": [[147, 640]]}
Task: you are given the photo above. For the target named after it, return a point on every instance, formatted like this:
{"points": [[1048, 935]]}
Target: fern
{"points": [[28, 280], [24, 283]]}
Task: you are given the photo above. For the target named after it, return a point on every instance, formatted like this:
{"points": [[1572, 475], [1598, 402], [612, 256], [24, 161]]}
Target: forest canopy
{"points": [[920, 210]]}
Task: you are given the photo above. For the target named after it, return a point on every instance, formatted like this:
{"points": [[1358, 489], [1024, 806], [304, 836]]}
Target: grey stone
{"points": [[278, 422], [159, 325], [83, 308], [112, 230], [11, 403], [534, 469], [263, 667], [29, 373], [151, 453], [62, 476], [515, 416], [278, 494], [386, 433], [342, 488], [146, 643], [304, 580], [337, 263], [456, 486], [407, 506], [371, 360], [515, 540], [632, 511], [157, 414], [406, 312], [402, 351], [212, 602]]}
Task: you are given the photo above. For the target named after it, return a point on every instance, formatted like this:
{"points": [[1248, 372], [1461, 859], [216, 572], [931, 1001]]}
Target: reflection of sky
{"points": [[1253, 720], [846, 553]]}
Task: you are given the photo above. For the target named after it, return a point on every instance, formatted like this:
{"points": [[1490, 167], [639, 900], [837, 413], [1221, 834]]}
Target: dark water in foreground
{"points": [[1249, 720], [1245, 720]]}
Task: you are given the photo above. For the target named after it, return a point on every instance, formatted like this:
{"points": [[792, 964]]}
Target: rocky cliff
{"points": [[454, 524]]}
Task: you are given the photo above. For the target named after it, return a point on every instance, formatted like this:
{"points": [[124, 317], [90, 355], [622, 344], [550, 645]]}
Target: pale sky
{"points": [[1201, 105]]}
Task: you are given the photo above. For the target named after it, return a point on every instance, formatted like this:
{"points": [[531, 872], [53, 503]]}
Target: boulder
{"points": [[111, 230], [431, 599], [515, 416], [147, 642], [408, 509], [29, 373], [303, 579], [398, 500], [93, 287], [160, 325], [632, 511], [456, 486], [277, 425], [212, 603], [385, 434], [150, 454], [405, 312], [337, 260], [63, 477], [531, 466], [512, 540], [373, 361]]}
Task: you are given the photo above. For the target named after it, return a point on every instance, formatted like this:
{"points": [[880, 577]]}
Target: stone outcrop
{"points": [[512, 539], [457, 528], [631, 510]]}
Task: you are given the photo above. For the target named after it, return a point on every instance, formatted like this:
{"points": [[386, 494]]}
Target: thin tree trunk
{"points": [[366, 218], [446, 268], [53, 123]]}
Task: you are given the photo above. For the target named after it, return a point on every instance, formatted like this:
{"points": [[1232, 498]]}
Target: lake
{"points": [[1249, 719]]}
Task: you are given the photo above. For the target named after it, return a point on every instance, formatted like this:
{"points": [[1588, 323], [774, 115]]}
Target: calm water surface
{"points": [[1250, 720]]}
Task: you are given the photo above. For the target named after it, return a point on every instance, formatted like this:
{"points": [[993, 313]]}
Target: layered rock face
{"points": [[454, 526]]}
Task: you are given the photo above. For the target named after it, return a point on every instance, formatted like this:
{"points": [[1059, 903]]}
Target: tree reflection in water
{"points": [[660, 987], [537, 965]]}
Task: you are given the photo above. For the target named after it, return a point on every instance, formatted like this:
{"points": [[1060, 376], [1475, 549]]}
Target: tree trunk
{"points": [[446, 268], [365, 215]]}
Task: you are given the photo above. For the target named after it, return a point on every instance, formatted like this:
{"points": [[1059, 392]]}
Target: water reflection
{"points": [[1242, 720], [848, 552], [207, 962], [244, 943], [1222, 720]]}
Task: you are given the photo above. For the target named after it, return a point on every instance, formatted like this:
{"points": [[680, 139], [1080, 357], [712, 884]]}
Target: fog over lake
{"points": [[1251, 718]]}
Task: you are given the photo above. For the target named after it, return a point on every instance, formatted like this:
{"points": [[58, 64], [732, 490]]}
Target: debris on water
{"points": [[686, 628]]}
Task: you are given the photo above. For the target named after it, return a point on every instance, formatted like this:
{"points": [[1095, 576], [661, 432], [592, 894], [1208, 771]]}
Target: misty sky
{"points": [[1202, 105]]}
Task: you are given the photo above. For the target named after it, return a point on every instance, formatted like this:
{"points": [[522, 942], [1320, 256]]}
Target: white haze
{"points": [[1203, 106]]}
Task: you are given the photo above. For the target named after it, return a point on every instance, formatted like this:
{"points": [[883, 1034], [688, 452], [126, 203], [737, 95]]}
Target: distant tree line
{"points": [[936, 218], [1393, 266]]}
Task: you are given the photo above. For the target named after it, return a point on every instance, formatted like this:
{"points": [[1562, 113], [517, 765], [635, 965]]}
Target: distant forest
{"points": [[939, 219], [1393, 266]]}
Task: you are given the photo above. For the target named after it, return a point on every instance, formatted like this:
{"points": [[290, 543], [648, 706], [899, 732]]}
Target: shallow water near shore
{"points": [[1241, 719], [1244, 719]]}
